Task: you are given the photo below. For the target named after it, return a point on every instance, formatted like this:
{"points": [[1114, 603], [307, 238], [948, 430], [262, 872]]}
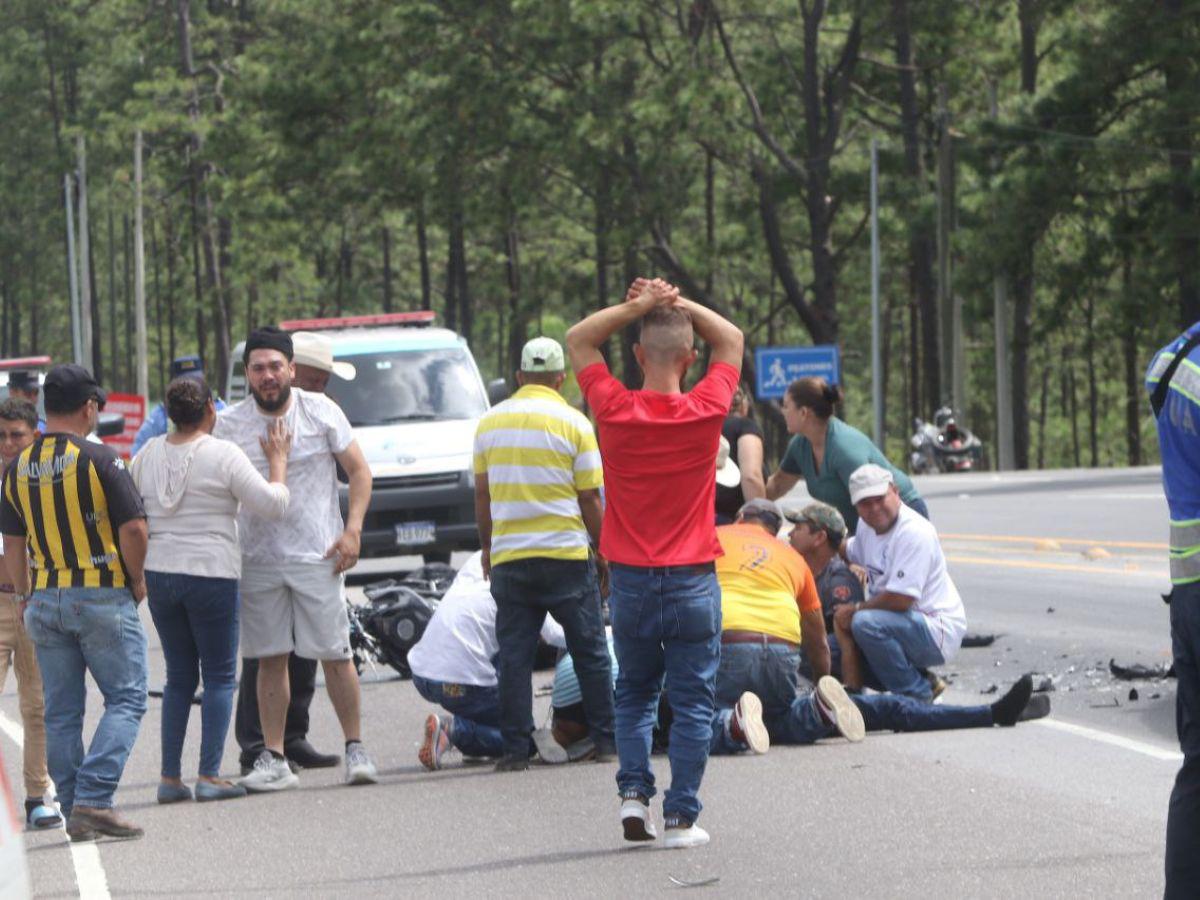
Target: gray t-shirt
{"points": [[314, 520]]}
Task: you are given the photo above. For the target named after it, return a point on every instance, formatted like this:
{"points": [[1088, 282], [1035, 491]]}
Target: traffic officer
{"points": [[1173, 381], [157, 423]]}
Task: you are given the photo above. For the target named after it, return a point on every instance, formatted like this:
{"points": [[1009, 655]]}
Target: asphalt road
{"points": [[1065, 568]]}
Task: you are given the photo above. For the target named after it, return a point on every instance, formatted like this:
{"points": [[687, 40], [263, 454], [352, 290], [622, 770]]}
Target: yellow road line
{"points": [[1057, 567], [1089, 542]]}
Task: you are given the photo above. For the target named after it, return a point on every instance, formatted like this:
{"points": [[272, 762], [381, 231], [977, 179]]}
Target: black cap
{"points": [[191, 366], [23, 380], [268, 338], [68, 387]]}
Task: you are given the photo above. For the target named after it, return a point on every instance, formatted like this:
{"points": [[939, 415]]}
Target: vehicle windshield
{"points": [[409, 386]]}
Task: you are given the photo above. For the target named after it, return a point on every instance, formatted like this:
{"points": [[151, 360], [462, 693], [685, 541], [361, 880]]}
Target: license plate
{"points": [[409, 534]]}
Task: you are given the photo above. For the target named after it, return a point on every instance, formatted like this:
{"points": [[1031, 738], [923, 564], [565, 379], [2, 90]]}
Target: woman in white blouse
{"points": [[192, 484]]}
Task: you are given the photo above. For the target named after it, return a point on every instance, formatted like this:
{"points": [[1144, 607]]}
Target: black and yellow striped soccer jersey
{"points": [[69, 497]]}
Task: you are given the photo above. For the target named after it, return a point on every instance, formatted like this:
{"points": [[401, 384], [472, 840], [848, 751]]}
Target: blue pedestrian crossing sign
{"points": [[777, 367]]}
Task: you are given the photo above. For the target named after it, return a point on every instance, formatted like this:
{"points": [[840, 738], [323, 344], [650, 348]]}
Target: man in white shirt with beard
{"points": [[913, 616], [292, 571]]}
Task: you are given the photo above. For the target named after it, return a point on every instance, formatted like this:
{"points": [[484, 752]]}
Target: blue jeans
{"points": [[76, 631], [1183, 812], [476, 712], [525, 591], [197, 621], [666, 622], [790, 713], [895, 646]]}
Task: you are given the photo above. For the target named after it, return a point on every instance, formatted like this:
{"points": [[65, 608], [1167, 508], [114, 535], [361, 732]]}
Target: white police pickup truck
{"points": [[414, 405]]}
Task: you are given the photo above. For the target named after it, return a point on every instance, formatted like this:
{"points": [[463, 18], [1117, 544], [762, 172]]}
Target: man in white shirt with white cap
{"points": [[913, 616], [313, 357]]}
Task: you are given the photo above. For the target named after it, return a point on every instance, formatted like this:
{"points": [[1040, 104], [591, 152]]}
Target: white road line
{"points": [[1115, 740], [90, 877]]}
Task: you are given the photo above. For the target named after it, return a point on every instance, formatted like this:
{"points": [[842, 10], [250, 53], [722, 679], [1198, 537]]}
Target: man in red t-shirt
{"points": [[659, 447]]}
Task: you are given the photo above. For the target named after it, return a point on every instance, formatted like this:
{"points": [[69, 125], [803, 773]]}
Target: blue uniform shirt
{"points": [[157, 423], [1179, 443]]}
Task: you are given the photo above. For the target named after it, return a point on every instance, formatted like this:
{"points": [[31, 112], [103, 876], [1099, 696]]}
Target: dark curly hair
{"points": [[187, 398], [816, 393]]}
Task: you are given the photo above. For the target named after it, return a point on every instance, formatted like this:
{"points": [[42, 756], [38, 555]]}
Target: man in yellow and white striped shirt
{"points": [[537, 502]]}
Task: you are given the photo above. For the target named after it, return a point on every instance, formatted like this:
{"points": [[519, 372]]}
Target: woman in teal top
{"points": [[825, 450]]}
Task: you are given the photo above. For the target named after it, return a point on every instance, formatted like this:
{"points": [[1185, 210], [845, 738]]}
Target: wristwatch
{"points": [[21, 598]]}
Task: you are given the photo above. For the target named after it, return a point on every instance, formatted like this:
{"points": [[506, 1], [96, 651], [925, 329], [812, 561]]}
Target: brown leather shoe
{"points": [[88, 822]]}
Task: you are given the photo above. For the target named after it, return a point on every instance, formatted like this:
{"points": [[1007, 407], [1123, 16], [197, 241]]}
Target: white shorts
{"points": [[293, 606]]}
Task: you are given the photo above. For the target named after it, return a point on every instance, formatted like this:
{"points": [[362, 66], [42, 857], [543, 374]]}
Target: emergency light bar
{"points": [[25, 362], [421, 317]]}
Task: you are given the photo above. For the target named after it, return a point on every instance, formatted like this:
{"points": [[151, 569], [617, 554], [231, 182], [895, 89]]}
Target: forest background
{"points": [[512, 165]]}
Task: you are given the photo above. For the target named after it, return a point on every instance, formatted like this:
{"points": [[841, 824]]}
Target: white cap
{"points": [[316, 350], [543, 354], [869, 481], [728, 474]]}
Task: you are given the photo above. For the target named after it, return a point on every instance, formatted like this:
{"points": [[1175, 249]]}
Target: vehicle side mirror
{"points": [[497, 390], [110, 424]]}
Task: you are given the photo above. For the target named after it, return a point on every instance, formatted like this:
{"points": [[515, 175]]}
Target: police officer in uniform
{"points": [[1174, 384]]}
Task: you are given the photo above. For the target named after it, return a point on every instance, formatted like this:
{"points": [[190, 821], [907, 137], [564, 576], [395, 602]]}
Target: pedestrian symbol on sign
{"points": [[778, 377]]}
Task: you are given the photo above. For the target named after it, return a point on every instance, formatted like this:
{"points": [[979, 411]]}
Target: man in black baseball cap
{"points": [[23, 385], [68, 387]]}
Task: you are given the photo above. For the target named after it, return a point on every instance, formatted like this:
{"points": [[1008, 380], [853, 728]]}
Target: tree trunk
{"points": [[1029, 19], [1089, 348], [1133, 374], [127, 258], [516, 318], [631, 372], [423, 256], [921, 241], [98, 369], [1041, 454], [197, 174], [1182, 89], [114, 358], [159, 343], [387, 269]]}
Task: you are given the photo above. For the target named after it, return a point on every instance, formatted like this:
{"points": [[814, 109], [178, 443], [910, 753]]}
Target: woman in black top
{"points": [[746, 450]]}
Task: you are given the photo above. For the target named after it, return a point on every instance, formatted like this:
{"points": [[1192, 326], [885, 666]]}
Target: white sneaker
{"points": [[269, 774], [636, 818], [746, 724], [836, 707], [680, 837], [359, 768]]}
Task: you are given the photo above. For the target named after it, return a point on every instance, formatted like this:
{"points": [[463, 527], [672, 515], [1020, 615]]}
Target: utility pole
{"points": [[72, 274], [139, 271], [876, 328], [85, 283], [1004, 420]]}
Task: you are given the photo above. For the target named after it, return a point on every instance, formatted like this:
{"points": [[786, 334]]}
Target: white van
{"points": [[414, 404]]}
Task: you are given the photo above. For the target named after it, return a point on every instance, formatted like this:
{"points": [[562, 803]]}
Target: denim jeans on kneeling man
{"points": [[77, 631], [666, 622], [476, 712], [896, 646]]}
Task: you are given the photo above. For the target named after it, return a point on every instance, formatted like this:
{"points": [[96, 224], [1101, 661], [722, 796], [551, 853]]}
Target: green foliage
{"points": [[572, 143]]}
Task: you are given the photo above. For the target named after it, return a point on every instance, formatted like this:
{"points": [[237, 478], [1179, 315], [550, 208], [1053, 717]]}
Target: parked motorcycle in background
{"points": [[944, 446]]}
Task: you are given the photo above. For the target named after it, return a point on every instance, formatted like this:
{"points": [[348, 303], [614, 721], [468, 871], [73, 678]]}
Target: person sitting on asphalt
{"points": [[913, 616], [312, 356], [454, 667], [158, 422], [763, 697], [18, 428]]}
